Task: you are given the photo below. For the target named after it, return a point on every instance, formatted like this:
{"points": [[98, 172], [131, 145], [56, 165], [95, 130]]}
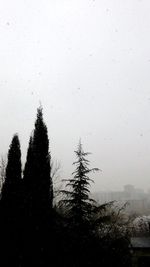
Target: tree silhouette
{"points": [[13, 169], [38, 197], [84, 234], [3, 164], [37, 168], [78, 200], [27, 173], [11, 205]]}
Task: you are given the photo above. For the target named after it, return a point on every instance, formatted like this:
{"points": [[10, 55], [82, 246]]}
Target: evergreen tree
{"points": [[11, 206], [13, 168], [27, 173], [37, 168], [38, 194], [78, 200]]}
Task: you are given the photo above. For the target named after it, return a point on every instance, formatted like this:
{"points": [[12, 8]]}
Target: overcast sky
{"points": [[88, 62]]}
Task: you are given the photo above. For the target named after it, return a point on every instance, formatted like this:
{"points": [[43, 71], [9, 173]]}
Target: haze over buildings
{"points": [[134, 200], [88, 62]]}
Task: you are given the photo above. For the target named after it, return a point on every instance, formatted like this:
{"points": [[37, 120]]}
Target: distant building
{"points": [[138, 201]]}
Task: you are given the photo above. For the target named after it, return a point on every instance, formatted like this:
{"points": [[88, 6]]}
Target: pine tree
{"points": [[37, 168], [78, 200]]}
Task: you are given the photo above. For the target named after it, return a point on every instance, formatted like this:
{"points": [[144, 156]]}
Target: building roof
{"points": [[140, 242]]}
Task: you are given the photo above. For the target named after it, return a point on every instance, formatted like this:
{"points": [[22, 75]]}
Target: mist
{"points": [[88, 63]]}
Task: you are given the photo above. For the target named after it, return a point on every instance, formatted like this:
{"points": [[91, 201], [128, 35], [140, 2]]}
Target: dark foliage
{"points": [[35, 233], [13, 170], [37, 168], [77, 201], [11, 204], [38, 200], [27, 173]]}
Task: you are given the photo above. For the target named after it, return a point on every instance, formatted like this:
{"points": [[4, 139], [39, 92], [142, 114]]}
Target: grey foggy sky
{"points": [[88, 62]]}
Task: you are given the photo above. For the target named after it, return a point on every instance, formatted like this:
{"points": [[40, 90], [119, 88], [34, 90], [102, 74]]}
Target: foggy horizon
{"points": [[88, 63]]}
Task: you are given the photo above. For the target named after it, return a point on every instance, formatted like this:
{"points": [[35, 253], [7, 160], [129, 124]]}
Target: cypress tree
{"points": [[13, 168], [38, 193], [11, 206], [27, 173], [37, 168]]}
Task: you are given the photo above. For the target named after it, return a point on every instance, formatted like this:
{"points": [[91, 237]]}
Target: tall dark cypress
{"points": [[37, 169], [13, 169], [11, 204], [27, 173]]}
